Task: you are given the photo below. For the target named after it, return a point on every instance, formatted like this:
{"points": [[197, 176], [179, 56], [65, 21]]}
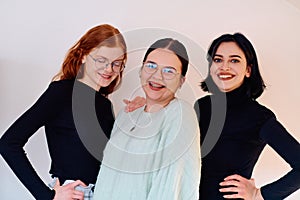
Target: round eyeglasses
{"points": [[101, 62], [167, 72]]}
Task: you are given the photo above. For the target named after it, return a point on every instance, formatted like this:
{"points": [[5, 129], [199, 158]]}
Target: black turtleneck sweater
{"points": [[70, 112], [248, 127]]}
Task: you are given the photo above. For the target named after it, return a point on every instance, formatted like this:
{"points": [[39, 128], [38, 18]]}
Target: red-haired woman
{"points": [[74, 110]]}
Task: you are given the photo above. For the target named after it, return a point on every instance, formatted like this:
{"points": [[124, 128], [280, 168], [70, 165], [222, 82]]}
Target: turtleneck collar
{"points": [[236, 96], [87, 87]]}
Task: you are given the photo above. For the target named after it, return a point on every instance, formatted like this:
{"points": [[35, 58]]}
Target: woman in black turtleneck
{"points": [[235, 128], [77, 117]]}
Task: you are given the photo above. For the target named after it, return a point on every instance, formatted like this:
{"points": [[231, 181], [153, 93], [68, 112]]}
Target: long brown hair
{"points": [[102, 35]]}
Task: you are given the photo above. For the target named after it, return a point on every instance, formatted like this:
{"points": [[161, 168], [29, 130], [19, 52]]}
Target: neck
{"points": [[94, 86]]}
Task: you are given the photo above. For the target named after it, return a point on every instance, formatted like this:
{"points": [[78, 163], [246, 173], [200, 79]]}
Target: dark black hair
{"points": [[254, 84], [174, 46]]}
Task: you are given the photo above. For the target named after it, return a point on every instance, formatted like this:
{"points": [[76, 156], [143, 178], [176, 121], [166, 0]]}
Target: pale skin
{"points": [[229, 67], [228, 70], [97, 77], [132, 105], [159, 91], [68, 192], [244, 188]]}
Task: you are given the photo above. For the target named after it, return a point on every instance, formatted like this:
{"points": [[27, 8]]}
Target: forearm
{"points": [[289, 149], [22, 168], [283, 187]]}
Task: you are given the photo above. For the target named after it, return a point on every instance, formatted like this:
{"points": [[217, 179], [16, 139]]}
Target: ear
{"points": [[83, 59], [182, 80], [248, 71]]}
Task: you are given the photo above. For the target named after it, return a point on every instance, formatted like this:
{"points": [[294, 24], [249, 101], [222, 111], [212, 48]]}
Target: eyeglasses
{"points": [[168, 72], [102, 63]]}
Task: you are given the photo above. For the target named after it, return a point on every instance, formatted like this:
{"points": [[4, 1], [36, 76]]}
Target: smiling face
{"points": [[229, 67], [159, 90], [95, 76]]}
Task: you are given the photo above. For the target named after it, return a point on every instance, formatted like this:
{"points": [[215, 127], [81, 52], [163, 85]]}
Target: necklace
{"points": [[136, 121]]}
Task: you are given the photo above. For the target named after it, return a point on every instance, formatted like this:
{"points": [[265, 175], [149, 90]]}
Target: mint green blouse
{"points": [[152, 156]]}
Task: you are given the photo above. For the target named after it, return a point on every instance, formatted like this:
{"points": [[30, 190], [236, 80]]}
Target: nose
{"points": [[225, 66], [108, 68], [158, 74]]}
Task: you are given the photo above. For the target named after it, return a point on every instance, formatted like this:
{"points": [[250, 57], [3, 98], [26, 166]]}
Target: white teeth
{"points": [[155, 85], [225, 76]]}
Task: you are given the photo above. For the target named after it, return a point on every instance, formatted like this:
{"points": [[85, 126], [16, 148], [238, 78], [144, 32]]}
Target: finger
{"points": [[57, 183], [76, 183], [129, 107], [139, 100], [78, 195], [235, 177], [126, 101], [79, 182], [232, 196], [230, 183], [230, 189]]}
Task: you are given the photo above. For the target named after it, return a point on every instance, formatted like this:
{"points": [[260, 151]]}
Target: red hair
{"points": [[102, 35]]}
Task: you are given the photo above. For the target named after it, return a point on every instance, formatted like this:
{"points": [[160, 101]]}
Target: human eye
{"points": [[117, 63], [151, 65], [101, 60], [217, 60], [235, 61], [169, 70]]}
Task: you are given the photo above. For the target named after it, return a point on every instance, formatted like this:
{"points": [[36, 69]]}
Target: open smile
{"points": [[225, 76], [156, 86]]}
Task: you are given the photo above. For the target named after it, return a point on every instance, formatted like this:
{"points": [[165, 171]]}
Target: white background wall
{"points": [[35, 35]]}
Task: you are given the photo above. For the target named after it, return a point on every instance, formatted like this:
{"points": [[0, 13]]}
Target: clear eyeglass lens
{"points": [[167, 72], [101, 63]]}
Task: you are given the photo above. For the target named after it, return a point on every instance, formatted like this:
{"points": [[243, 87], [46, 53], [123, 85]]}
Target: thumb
{"points": [[78, 182], [57, 184]]}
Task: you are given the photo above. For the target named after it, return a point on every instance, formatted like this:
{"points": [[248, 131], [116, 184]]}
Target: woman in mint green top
{"points": [[154, 152]]}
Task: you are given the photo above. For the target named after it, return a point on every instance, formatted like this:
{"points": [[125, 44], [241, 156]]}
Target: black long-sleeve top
{"points": [[248, 127], [70, 112]]}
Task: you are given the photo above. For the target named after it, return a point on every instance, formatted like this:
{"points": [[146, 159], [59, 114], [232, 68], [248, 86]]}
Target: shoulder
{"points": [[59, 88], [262, 110], [61, 85], [59, 91], [203, 101], [203, 105], [180, 104], [181, 109]]}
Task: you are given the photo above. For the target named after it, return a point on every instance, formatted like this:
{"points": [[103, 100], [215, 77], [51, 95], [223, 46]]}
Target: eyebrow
{"points": [[231, 56], [118, 59], [152, 62], [149, 61]]}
